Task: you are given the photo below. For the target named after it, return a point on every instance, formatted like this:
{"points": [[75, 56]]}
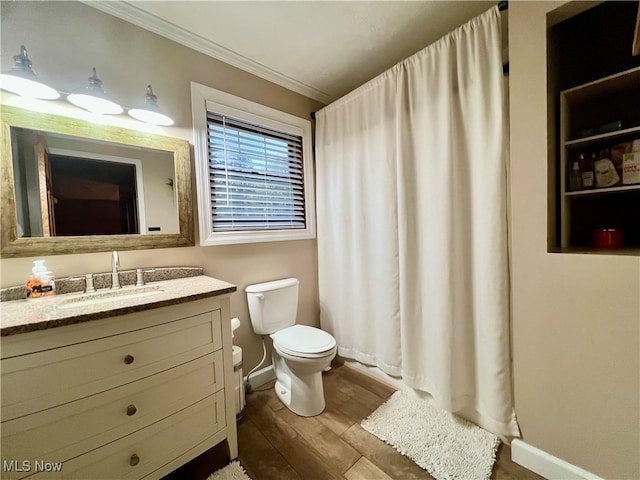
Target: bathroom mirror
{"points": [[73, 186]]}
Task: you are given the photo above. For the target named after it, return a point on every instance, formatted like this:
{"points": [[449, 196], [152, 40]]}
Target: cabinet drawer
{"points": [[72, 429], [147, 450], [34, 382]]}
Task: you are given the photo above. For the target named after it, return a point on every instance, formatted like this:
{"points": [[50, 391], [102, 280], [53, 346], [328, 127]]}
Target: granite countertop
{"points": [[22, 316]]}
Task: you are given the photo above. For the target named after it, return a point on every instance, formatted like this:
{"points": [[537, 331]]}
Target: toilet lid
{"points": [[300, 339]]}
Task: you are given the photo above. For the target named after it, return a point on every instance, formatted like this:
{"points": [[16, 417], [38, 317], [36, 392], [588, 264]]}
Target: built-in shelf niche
{"points": [[594, 93]]}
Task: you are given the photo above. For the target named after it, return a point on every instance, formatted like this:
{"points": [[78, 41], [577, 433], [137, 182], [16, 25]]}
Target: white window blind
{"points": [[256, 176]]}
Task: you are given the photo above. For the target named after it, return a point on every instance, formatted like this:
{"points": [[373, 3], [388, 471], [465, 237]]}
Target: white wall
{"points": [[160, 203], [575, 317]]}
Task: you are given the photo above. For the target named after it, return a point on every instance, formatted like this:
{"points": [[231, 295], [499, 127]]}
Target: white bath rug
{"points": [[233, 471], [445, 445]]}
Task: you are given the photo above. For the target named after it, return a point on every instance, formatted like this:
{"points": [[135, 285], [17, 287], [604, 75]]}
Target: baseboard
{"points": [[545, 464], [262, 376]]}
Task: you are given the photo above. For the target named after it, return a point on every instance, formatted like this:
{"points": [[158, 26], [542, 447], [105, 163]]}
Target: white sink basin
{"points": [[105, 296]]}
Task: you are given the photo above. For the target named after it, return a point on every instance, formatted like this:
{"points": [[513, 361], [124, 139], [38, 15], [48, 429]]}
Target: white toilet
{"points": [[300, 353]]}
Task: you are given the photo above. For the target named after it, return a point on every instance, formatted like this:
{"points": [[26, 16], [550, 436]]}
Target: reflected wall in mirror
{"points": [[71, 186]]}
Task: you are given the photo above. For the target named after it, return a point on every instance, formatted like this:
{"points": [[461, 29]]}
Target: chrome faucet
{"points": [[115, 264]]}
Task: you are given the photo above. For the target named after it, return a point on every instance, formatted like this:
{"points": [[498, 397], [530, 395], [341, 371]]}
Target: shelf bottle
{"points": [[586, 170], [575, 177]]}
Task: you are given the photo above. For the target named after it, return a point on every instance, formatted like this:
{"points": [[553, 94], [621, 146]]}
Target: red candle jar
{"points": [[610, 238]]}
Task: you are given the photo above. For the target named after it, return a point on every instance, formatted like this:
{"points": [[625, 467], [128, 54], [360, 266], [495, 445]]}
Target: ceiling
{"points": [[321, 49]]}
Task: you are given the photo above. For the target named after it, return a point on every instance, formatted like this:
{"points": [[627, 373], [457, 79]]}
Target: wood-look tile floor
{"points": [[276, 444]]}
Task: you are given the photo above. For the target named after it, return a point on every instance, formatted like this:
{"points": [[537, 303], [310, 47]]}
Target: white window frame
{"points": [[205, 99]]}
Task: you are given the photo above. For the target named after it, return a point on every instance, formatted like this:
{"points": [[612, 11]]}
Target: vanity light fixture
{"points": [[94, 99], [22, 81], [151, 113]]}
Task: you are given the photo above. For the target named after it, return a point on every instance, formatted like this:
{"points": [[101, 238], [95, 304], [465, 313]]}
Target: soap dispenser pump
{"points": [[41, 282]]}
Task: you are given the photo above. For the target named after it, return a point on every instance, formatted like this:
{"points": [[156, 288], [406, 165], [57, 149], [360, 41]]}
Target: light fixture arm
{"points": [[150, 97], [94, 82], [22, 61]]}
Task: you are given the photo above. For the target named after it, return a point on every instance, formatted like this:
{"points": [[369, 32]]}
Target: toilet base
{"points": [[303, 394], [304, 401]]}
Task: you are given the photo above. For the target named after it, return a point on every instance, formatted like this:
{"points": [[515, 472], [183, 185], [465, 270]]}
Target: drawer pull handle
{"points": [[128, 359], [134, 460], [131, 410]]}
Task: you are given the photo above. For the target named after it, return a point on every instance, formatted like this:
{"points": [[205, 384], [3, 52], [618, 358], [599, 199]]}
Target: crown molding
{"points": [[135, 15]]}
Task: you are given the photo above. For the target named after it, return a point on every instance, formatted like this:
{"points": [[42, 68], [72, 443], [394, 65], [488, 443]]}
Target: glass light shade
{"points": [[151, 113], [149, 116], [94, 99], [22, 81], [94, 103], [27, 88]]}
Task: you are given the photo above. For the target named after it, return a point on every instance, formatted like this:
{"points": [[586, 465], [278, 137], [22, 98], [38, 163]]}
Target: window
{"points": [[253, 169]]}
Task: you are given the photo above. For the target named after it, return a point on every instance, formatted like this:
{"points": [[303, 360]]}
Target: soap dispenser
{"points": [[41, 282]]}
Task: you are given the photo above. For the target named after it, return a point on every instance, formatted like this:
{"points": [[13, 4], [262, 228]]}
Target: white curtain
{"points": [[412, 224]]}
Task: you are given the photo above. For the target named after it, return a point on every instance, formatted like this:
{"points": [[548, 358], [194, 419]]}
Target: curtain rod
{"points": [[502, 6]]}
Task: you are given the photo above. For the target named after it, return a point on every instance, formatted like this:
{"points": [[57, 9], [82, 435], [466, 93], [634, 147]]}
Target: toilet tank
{"points": [[273, 305]]}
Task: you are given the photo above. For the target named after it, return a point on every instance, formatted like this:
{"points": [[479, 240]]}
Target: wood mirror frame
{"points": [[13, 246]]}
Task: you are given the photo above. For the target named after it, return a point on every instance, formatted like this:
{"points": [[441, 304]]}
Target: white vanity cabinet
{"points": [[130, 396]]}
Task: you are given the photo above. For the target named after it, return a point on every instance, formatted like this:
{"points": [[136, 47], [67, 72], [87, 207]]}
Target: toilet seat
{"points": [[303, 341]]}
